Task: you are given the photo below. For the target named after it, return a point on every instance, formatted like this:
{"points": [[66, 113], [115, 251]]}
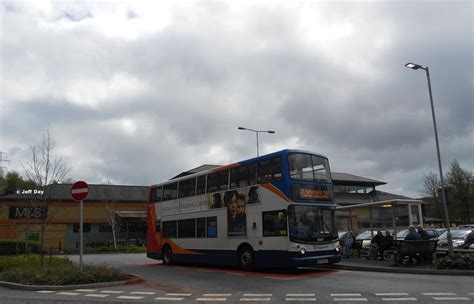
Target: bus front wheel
{"points": [[246, 259], [167, 255]]}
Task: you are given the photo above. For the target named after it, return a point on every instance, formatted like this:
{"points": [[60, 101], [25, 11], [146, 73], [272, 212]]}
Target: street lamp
{"points": [[415, 66], [256, 132]]}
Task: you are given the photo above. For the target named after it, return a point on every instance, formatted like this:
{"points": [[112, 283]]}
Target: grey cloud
{"points": [[173, 99]]}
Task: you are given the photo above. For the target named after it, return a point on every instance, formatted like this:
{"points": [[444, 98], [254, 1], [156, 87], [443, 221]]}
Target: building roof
{"points": [[354, 180], [99, 193], [201, 168], [343, 199]]}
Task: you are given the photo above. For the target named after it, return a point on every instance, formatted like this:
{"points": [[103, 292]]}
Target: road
{"points": [[200, 284]]}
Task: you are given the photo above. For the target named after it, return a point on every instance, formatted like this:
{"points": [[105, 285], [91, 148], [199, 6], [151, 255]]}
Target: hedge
{"points": [[57, 271], [457, 261], [9, 247]]}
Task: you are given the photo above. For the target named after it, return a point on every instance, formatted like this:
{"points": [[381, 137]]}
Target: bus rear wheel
{"points": [[246, 259], [167, 255]]}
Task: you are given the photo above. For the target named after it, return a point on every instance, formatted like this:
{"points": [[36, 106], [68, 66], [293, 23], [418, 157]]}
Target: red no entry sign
{"points": [[79, 190]]}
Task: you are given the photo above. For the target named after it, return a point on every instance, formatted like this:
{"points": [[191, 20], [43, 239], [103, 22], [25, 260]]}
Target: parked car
{"points": [[432, 232], [462, 239], [366, 238], [470, 226]]}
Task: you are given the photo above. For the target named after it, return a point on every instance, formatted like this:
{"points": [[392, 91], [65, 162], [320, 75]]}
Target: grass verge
{"points": [[56, 271]]}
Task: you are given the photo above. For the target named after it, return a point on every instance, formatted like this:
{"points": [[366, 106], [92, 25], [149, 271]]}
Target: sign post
{"points": [[79, 192]]}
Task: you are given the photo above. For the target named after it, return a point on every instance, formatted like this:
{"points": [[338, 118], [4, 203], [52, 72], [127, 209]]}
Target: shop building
{"points": [[360, 206], [28, 213]]}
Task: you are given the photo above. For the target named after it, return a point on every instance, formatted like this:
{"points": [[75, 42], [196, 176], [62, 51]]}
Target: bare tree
{"points": [[461, 182], [430, 187], [112, 220], [45, 170], [111, 207]]}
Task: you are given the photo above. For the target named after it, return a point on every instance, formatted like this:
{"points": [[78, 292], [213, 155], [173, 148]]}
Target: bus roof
{"points": [[216, 168]]}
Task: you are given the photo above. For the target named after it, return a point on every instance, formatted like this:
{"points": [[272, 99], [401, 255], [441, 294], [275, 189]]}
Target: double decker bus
{"points": [[275, 210]]}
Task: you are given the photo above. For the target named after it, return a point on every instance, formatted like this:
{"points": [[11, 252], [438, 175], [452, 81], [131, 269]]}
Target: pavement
{"points": [[388, 265]]}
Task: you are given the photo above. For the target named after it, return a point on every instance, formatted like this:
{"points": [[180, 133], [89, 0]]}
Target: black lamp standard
{"points": [[415, 66], [256, 132]]}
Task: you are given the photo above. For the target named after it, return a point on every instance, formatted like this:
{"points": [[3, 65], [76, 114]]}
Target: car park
{"points": [[462, 239], [432, 232], [365, 238], [469, 226]]}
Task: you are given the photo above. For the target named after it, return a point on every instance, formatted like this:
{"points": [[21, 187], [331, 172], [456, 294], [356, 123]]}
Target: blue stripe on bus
{"points": [[263, 258]]}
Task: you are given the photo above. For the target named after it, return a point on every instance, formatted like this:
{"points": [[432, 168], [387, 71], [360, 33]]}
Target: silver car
{"points": [[462, 239]]}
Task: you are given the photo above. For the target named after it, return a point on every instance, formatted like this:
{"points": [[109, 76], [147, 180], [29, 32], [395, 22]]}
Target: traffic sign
{"points": [[79, 190]]}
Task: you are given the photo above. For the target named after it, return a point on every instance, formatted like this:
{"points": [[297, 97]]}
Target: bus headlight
{"points": [[303, 250]]}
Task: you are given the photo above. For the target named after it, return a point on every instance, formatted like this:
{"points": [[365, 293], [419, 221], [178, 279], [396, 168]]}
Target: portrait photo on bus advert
{"points": [[236, 213]]}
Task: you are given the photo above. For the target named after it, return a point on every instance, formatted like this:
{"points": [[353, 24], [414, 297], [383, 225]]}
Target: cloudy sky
{"points": [[136, 92]]}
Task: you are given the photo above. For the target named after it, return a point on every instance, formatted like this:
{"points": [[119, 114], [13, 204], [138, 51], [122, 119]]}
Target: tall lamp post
{"points": [[256, 132], [415, 66]]}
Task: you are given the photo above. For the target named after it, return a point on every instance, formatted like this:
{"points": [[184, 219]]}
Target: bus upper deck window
{"points": [[201, 185], [269, 170], [187, 187], [170, 191], [218, 181], [243, 176], [157, 194]]}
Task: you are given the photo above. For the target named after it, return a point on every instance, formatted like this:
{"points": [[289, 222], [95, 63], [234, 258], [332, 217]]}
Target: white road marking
{"points": [[388, 294], [143, 292], [438, 294], [86, 290], [399, 299], [168, 299], [346, 295], [211, 299], [112, 291], [179, 294], [45, 291], [217, 295], [130, 297], [300, 295], [350, 299], [257, 294], [451, 298], [254, 299], [68, 293], [95, 295], [300, 299]]}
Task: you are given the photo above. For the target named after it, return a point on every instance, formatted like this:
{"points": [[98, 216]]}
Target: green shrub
{"points": [[125, 249], [60, 275], [61, 271], [9, 247], [457, 261], [31, 260]]}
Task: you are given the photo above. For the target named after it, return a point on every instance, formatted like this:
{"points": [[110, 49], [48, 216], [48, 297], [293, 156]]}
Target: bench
{"points": [[357, 246], [419, 250]]}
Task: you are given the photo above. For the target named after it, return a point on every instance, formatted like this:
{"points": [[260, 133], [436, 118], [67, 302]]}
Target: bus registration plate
{"points": [[323, 261]]}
